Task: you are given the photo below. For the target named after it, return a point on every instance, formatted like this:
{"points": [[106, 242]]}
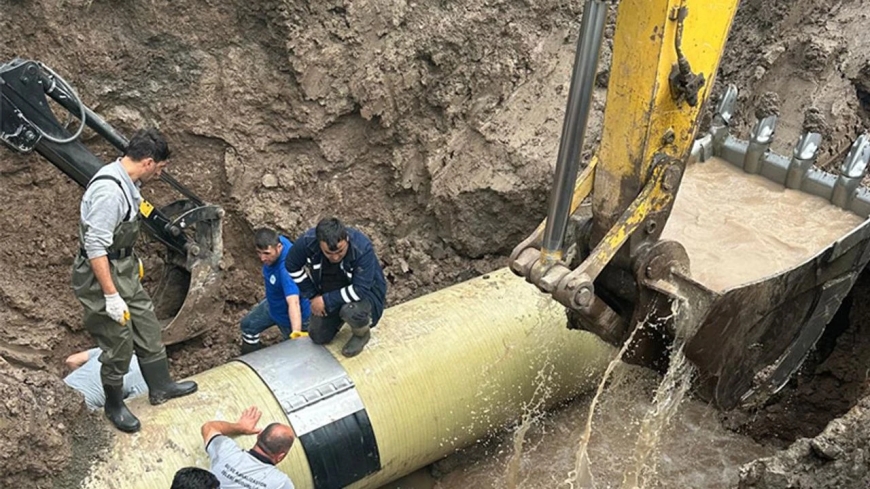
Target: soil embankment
{"points": [[433, 127]]}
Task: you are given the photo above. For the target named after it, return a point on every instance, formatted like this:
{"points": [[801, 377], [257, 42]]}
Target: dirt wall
{"points": [[411, 123], [836, 458], [433, 127]]}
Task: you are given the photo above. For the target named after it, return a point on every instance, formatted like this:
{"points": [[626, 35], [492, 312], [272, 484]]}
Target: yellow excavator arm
{"points": [[621, 280], [665, 57]]}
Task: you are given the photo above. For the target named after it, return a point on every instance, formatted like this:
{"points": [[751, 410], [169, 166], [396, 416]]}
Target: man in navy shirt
{"points": [[283, 306], [337, 268]]}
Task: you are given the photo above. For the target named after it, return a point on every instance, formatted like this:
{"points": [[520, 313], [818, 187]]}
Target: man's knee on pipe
{"points": [[323, 329], [357, 314]]}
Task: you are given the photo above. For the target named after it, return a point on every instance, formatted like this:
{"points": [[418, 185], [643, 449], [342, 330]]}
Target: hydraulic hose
{"points": [[56, 82]]}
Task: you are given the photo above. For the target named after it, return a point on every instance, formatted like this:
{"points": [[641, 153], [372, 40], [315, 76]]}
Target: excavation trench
{"points": [[433, 128]]}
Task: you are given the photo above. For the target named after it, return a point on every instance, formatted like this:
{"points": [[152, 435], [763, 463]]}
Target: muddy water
{"points": [[739, 228], [645, 434], [668, 397], [582, 475], [693, 450]]}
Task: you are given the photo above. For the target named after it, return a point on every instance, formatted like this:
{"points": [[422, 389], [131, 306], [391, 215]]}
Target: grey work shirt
{"points": [[105, 205], [238, 469], [86, 379]]}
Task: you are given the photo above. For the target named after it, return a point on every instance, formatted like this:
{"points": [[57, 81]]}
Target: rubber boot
{"points": [[117, 411], [249, 347], [161, 387], [357, 342]]}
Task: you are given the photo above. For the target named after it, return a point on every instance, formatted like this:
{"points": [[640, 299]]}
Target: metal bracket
{"points": [[684, 84], [311, 386], [22, 135], [575, 289], [528, 260], [324, 409], [198, 214]]}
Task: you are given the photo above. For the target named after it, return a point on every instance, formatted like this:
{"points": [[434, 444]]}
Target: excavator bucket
{"points": [[773, 246], [717, 246], [186, 298], [762, 251]]}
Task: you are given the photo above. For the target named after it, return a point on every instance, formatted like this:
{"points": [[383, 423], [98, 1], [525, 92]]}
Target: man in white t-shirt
{"points": [[252, 469], [85, 378]]}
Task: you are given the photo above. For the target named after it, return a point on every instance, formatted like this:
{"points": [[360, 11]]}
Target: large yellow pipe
{"points": [[440, 372]]}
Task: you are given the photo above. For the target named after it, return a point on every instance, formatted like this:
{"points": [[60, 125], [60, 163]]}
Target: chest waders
{"points": [[141, 334]]}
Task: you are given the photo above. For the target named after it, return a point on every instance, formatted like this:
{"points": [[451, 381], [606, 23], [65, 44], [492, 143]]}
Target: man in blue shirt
{"points": [[283, 306]]}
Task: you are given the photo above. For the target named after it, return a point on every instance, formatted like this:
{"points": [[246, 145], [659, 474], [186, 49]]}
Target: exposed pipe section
{"points": [[574, 128], [440, 372]]}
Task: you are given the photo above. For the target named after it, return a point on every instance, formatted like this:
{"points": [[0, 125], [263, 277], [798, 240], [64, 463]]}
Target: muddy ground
{"points": [[433, 127]]}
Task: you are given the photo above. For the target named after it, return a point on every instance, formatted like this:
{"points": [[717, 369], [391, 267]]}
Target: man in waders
{"points": [[337, 269], [118, 312]]}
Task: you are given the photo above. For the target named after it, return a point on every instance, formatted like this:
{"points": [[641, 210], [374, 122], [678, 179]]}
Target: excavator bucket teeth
{"points": [[776, 253]]}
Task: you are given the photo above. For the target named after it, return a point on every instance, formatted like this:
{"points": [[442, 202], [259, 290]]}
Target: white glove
{"points": [[117, 309]]}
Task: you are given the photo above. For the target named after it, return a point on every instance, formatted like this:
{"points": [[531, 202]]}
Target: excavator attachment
{"points": [[186, 298], [716, 245]]}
